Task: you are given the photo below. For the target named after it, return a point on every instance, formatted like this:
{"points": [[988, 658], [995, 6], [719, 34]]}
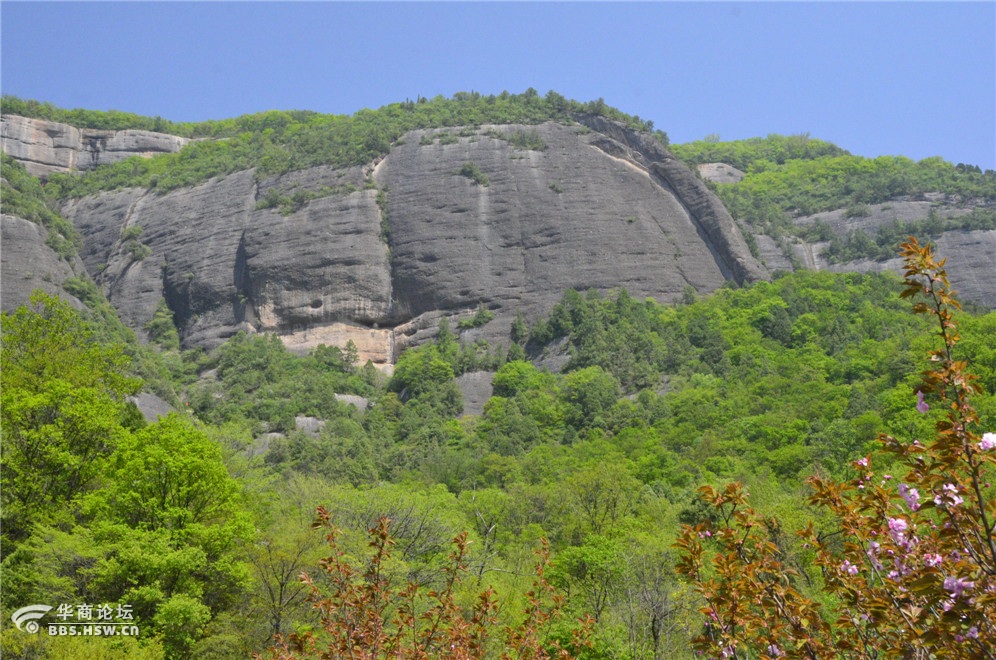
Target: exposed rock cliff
{"points": [[970, 254], [378, 254], [45, 146], [450, 220], [29, 264]]}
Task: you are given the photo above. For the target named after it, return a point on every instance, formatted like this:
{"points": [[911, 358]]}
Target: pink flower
{"points": [[849, 568], [776, 652], [897, 528], [862, 462], [911, 495], [932, 560], [973, 632], [921, 405], [988, 441], [949, 496], [956, 586]]}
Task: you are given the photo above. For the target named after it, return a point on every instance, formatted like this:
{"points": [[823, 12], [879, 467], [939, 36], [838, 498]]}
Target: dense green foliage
{"points": [[893, 575], [793, 176], [808, 186], [883, 242], [107, 120], [204, 525], [258, 379], [275, 142], [482, 316], [741, 154], [22, 195], [151, 513]]}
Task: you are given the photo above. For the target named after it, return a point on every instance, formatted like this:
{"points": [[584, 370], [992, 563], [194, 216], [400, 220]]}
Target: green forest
{"points": [[786, 177], [205, 533], [576, 512]]}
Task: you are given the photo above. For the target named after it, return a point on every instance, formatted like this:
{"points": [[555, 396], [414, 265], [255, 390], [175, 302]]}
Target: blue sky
{"points": [[915, 79]]}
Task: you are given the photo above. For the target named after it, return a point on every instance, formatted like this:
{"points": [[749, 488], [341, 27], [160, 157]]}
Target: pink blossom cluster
{"points": [[897, 529], [948, 496], [911, 496], [957, 586]]}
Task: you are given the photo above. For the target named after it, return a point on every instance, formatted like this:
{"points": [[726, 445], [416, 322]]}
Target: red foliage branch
{"points": [[365, 617], [911, 565]]}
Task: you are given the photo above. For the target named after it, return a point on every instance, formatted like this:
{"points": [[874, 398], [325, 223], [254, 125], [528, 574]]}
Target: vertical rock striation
{"points": [[449, 221]]}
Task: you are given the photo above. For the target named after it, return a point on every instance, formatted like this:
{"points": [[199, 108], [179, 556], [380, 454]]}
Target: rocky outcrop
{"points": [[379, 254], [712, 221], [475, 390], [151, 406], [970, 264], [969, 253], [29, 264], [46, 146], [720, 173]]}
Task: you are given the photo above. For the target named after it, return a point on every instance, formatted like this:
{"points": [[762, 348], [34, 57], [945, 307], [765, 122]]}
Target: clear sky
{"points": [[901, 78]]}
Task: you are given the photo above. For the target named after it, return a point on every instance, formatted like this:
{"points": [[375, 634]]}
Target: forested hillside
{"points": [[565, 446], [763, 385], [789, 184]]}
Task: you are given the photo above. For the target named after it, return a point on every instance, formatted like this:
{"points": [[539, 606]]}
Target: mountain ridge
{"points": [[447, 221]]}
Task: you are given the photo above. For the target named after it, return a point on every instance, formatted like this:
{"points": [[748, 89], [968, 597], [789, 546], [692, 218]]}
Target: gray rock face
{"points": [[970, 254], [712, 221], [358, 402], [151, 406], [720, 173], [970, 268], [45, 146], [476, 389], [599, 207], [310, 425], [29, 264]]}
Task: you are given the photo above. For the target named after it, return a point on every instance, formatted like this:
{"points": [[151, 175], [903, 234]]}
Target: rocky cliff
{"points": [[451, 220], [970, 253], [45, 146], [29, 264]]}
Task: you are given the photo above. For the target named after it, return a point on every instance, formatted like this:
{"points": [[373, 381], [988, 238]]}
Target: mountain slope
{"points": [[371, 228], [378, 253]]}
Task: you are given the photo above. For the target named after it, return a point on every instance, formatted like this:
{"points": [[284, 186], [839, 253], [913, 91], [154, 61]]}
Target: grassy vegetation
{"points": [[22, 195], [792, 176], [276, 142], [474, 173]]}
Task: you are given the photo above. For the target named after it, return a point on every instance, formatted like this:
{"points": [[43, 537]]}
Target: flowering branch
{"points": [[912, 563]]}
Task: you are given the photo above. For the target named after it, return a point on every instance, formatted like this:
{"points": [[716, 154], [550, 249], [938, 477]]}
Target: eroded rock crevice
{"points": [[387, 250]]}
